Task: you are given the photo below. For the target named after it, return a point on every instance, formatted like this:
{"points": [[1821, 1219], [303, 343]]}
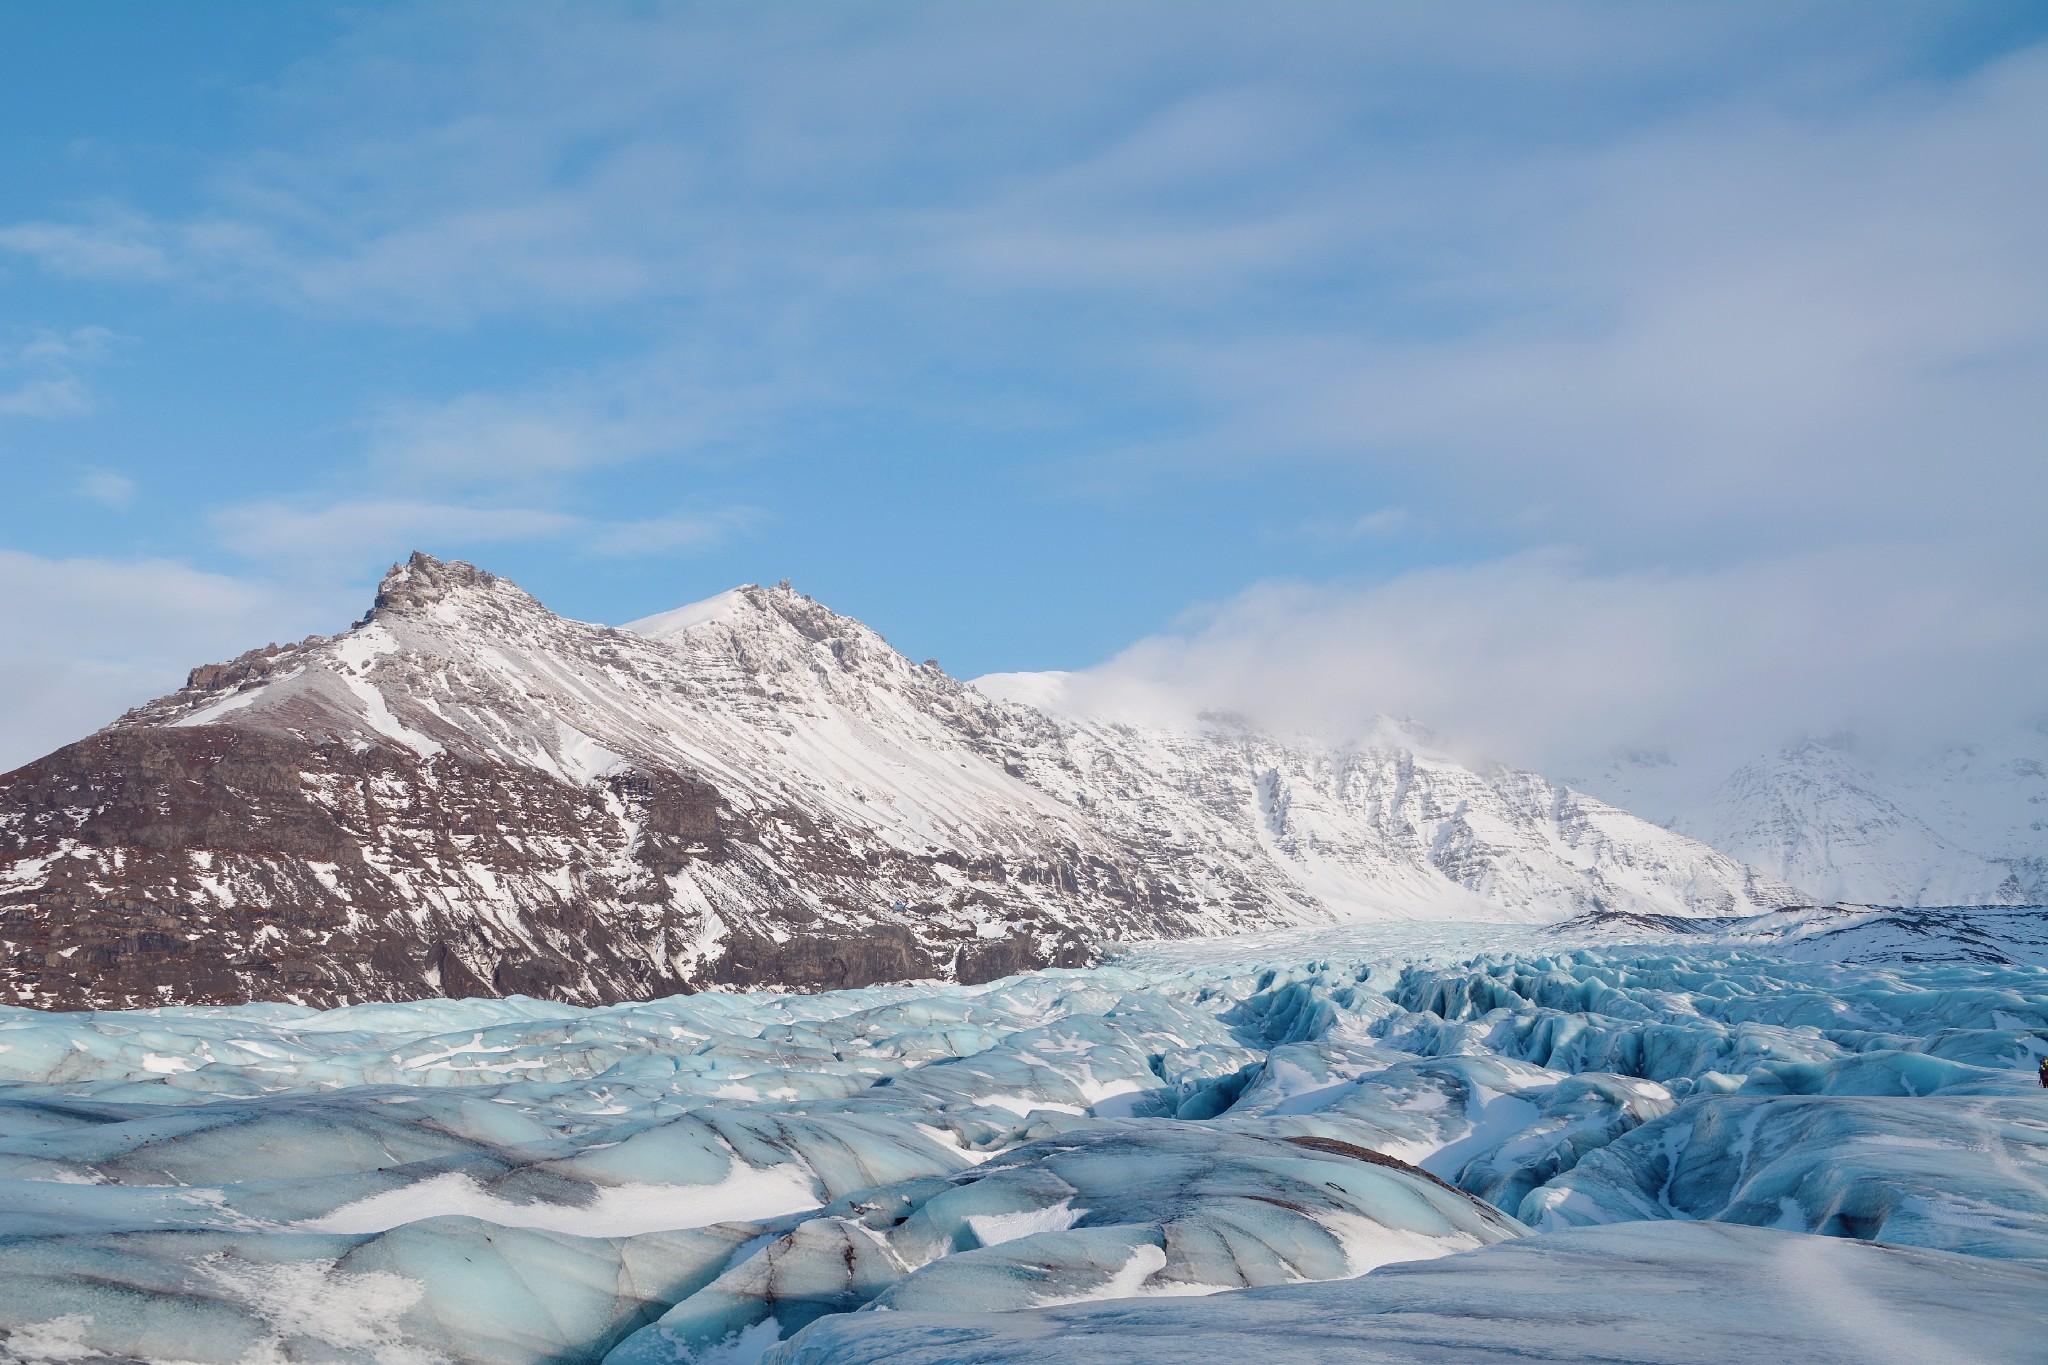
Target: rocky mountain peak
{"points": [[778, 631], [424, 582]]}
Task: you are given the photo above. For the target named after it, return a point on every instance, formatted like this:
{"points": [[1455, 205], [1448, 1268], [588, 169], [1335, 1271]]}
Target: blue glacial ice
{"points": [[1357, 1129], [1650, 1293]]}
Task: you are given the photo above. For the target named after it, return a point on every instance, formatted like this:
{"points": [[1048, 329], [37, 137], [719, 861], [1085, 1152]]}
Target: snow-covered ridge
{"points": [[756, 789], [1389, 825], [777, 701]]}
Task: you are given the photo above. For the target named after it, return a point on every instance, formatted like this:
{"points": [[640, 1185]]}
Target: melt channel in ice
{"points": [[1386, 1144]]}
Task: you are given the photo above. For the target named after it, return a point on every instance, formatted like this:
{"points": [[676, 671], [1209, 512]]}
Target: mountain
{"points": [[1869, 935], [1965, 826], [1388, 826], [466, 795]]}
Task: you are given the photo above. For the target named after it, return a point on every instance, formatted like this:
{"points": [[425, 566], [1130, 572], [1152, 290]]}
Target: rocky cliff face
{"points": [[467, 795]]}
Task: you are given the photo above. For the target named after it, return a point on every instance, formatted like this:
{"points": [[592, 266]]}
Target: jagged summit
{"points": [[467, 794], [424, 582]]}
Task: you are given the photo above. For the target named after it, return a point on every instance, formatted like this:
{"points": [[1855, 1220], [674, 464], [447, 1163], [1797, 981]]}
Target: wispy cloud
{"points": [[44, 375], [1723, 330], [352, 533], [126, 247], [1384, 521], [531, 160], [488, 467], [668, 535], [107, 488], [1547, 660], [87, 638], [655, 405], [1623, 306], [375, 530]]}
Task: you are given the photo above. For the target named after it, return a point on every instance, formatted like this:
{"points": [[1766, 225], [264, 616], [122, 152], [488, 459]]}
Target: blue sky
{"points": [[1564, 375]]}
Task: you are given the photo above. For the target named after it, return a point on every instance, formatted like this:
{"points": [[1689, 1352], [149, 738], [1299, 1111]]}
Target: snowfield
{"points": [[1811, 1139]]}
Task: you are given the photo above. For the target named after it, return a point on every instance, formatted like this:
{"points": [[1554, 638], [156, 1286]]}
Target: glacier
{"points": [[1653, 1294], [1811, 1139]]}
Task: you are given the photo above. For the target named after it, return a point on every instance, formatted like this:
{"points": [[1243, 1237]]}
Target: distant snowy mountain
{"points": [[1387, 826], [465, 794], [1995, 935], [1967, 827]]}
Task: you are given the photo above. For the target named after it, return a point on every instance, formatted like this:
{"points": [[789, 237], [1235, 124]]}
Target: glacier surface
{"points": [[1413, 1142]]}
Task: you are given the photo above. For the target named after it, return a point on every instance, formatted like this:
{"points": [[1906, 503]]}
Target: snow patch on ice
{"points": [[48, 1343], [313, 1300], [617, 1211], [1146, 1261], [993, 1229]]}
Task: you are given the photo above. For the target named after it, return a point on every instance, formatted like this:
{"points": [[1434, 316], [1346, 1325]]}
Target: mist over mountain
{"points": [[1857, 724], [1964, 825]]}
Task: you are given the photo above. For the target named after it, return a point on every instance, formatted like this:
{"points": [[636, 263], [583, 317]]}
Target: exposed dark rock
{"points": [[356, 873], [349, 871]]}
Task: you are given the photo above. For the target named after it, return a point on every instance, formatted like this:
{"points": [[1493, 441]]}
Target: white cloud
{"points": [[1384, 521], [1730, 329], [376, 530], [442, 166], [106, 488], [656, 405], [88, 638], [1546, 660], [492, 467], [49, 365], [323, 538], [53, 396], [1745, 306], [478, 437], [665, 535], [1773, 377], [122, 249]]}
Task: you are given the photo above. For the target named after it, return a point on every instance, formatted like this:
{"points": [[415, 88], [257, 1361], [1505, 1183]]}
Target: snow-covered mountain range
{"points": [[1967, 825], [465, 794]]}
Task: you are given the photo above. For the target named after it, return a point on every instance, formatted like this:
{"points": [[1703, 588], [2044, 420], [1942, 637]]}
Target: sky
{"points": [[1566, 377]]}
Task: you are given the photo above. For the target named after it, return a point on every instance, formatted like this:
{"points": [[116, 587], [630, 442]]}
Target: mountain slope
{"points": [[1387, 826], [467, 795], [1962, 828]]}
